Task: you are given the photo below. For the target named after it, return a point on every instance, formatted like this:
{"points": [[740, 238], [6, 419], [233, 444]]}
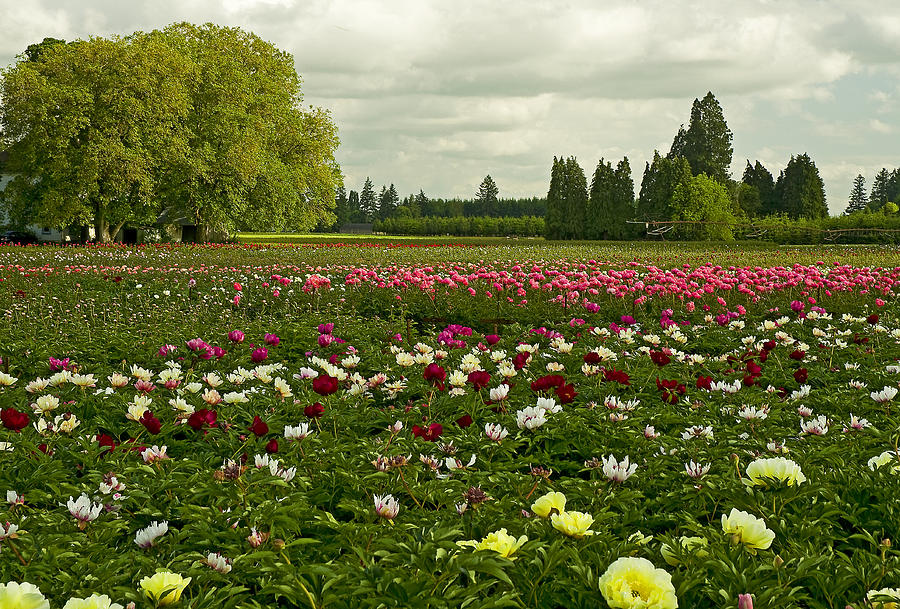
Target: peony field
{"points": [[507, 424]]}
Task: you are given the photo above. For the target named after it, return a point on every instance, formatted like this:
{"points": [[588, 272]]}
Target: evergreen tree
{"points": [[576, 197], [368, 206], [421, 201], [341, 207], [879, 195], [800, 190], [353, 213], [487, 196], [387, 202], [623, 201], [706, 144], [747, 201], [858, 200], [553, 224], [660, 180], [759, 177], [600, 213]]}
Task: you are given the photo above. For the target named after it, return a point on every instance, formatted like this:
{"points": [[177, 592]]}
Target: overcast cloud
{"points": [[435, 94]]}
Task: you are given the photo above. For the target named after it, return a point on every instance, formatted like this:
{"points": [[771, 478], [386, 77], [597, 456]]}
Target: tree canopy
{"points": [[706, 143], [800, 191], [204, 121]]}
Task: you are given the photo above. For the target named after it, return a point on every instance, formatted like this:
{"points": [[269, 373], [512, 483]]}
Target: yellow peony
{"points": [[778, 469], [634, 583], [884, 458], [748, 529], [499, 541], [14, 595], [545, 505], [886, 598], [94, 601], [164, 588], [688, 544], [573, 524]]}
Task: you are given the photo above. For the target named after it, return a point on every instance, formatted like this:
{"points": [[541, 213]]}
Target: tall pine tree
{"points": [[706, 144], [576, 200], [353, 207], [368, 205], [800, 190], [486, 197], [858, 200], [553, 222], [759, 177], [600, 212], [341, 207], [660, 180], [879, 195]]}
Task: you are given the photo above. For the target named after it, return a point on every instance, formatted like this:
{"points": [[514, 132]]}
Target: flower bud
{"points": [[745, 601], [886, 542], [777, 561], [279, 544]]}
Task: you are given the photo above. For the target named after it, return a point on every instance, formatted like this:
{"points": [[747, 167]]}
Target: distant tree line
{"points": [[884, 197], [465, 226], [692, 183], [365, 206]]}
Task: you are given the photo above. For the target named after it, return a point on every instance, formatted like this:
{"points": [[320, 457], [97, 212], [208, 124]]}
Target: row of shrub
{"points": [[474, 226]]}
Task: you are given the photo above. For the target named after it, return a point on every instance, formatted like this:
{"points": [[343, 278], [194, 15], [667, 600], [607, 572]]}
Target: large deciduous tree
{"points": [[89, 126], [257, 159], [706, 202], [204, 121], [706, 143]]}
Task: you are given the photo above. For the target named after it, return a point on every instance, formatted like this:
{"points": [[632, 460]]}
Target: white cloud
{"points": [[436, 94]]}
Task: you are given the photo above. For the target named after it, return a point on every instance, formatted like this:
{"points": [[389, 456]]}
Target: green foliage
{"points": [[858, 201], [91, 127], [758, 177], [703, 200], [611, 202], [555, 200], [487, 196], [576, 200], [661, 179], [800, 191], [706, 144], [203, 121], [368, 205], [475, 226], [255, 158]]}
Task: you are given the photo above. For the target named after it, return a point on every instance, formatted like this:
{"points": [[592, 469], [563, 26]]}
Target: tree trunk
{"points": [[101, 227]]}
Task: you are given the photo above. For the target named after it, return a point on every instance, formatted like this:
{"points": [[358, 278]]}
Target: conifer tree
{"points": [[800, 190], [858, 200], [706, 144], [879, 195], [553, 223], [576, 196], [486, 197], [759, 177], [368, 205], [660, 180], [354, 214]]}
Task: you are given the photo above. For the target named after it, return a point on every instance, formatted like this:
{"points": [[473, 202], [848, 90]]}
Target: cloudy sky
{"points": [[434, 94]]}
